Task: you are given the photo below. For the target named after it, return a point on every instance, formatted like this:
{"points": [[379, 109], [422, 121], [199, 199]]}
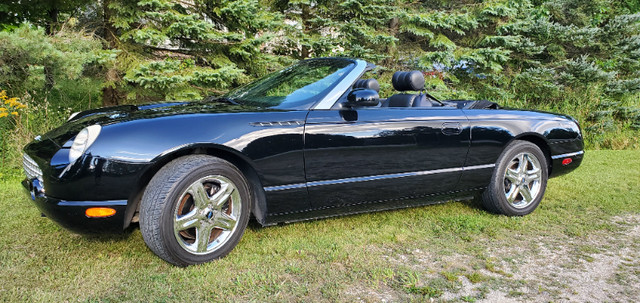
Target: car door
{"points": [[379, 153]]}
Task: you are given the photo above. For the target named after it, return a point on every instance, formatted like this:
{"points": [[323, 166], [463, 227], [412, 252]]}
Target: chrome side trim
{"points": [[567, 155], [376, 177], [93, 203], [483, 166], [331, 98], [285, 187], [382, 177]]}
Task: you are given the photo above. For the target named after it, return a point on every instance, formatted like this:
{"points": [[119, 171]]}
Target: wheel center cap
{"points": [[209, 215]]}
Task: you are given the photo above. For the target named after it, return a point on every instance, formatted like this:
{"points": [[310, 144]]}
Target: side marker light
{"points": [[567, 161], [99, 212]]}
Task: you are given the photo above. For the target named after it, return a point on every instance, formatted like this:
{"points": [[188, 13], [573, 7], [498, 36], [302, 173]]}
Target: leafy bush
{"points": [[26, 52], [27, 58]]}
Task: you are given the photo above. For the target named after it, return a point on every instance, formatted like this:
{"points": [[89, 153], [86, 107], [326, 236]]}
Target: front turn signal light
{"points": [[100, 212]]}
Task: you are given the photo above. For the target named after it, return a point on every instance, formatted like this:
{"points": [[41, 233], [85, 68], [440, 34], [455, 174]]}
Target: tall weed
{"points": [[42, 113]]}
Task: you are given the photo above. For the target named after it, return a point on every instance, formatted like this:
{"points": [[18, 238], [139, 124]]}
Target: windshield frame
{"points": [[342, 86], [330, 95]]}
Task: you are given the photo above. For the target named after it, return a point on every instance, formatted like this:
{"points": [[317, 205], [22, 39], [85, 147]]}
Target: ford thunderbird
{"points": [[311, 141]]}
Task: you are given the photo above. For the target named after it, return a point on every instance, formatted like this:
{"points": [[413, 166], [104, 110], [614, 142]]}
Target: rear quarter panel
{"points": [[493, 130]]}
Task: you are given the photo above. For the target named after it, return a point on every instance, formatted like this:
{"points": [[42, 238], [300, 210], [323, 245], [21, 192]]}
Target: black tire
{"points": [[517, 194], [176, 213]]}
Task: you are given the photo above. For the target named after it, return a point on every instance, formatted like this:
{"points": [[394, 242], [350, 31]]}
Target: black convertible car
{"points": [[311, 141]]}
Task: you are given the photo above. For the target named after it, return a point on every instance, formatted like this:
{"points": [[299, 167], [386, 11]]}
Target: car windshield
{"points": [[296, 87]]}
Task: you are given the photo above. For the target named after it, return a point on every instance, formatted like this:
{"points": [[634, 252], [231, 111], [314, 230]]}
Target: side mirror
{"points": [[363, 97]]}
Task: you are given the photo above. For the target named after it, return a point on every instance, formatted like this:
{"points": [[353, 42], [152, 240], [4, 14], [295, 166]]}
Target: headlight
{"points": [[83, 140]]}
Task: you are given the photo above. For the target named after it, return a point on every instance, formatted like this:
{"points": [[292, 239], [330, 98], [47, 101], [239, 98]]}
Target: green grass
{"points": [[369, 256]]}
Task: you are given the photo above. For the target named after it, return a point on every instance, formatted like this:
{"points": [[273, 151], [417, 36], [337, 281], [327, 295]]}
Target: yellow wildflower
{"points": [[13, 102], [11, 105]]}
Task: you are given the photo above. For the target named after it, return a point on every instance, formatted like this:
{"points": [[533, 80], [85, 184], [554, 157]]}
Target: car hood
{"points": [[147, 111], [125, 113]]}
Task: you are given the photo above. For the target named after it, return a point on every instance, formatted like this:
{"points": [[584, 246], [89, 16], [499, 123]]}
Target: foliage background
{"points": [[570, 56]]}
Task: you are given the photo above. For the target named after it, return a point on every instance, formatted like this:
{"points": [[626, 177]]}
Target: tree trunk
{"points": [[110, 94], [306, 15], [49, 80], [50, 29], [391, 49]]}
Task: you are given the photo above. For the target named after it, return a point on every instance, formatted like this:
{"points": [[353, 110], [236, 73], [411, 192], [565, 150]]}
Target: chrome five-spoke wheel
{"points": [[207, 214], [522, 180], [519, 180], [195, 209]]}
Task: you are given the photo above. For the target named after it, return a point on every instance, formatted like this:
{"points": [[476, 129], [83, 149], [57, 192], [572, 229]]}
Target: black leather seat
{"points": [[367, 84], [408, 81]]}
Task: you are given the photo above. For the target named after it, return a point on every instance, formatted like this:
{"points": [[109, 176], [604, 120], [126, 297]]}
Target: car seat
{"points": [[408, 81]]}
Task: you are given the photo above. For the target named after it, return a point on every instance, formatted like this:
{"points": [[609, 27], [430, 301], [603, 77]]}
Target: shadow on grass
{"points": [[475, 203], [110, 237], [254, 225]]}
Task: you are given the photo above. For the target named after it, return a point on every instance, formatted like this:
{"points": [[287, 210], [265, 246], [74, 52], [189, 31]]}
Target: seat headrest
{"points": [[367, 84], [404, 81]]}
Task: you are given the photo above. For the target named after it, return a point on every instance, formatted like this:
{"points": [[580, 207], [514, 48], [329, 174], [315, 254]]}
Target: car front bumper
{"points": [[71, 214]]}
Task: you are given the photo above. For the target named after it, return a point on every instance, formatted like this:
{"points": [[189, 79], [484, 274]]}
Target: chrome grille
{"points": [[31, 168]]}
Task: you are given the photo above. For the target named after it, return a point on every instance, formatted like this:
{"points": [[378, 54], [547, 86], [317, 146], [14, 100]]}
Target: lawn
{"points": [[449, 252]]}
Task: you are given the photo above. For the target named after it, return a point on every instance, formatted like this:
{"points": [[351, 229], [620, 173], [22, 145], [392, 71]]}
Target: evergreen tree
{"points": [[184, 50], [515, 49], [41, 13], [26, 51], [44, 13], [354, 28]]}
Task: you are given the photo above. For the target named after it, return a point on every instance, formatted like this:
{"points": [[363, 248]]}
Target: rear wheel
{"points": [[519, 180], [194, 210]]}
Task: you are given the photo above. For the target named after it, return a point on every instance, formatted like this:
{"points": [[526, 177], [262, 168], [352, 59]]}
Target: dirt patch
{"points": [[363, 294], [603, 267]]}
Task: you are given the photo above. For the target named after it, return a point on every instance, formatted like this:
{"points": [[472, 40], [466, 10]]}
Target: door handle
{"points": [[451, 128]]}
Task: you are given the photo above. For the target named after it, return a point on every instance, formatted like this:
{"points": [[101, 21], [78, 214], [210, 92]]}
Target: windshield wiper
{"points": [[220, 99]]}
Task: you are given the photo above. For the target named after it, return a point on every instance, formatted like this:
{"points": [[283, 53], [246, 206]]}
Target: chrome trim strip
{"points": [[382, 177], [331, 98], [376, 177], [285, 187], [567, 155], [93, 203], [492, 165]]}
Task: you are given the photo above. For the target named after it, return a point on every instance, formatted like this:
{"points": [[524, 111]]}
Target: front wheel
{"points": [[194, 210], [519, 180]]}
